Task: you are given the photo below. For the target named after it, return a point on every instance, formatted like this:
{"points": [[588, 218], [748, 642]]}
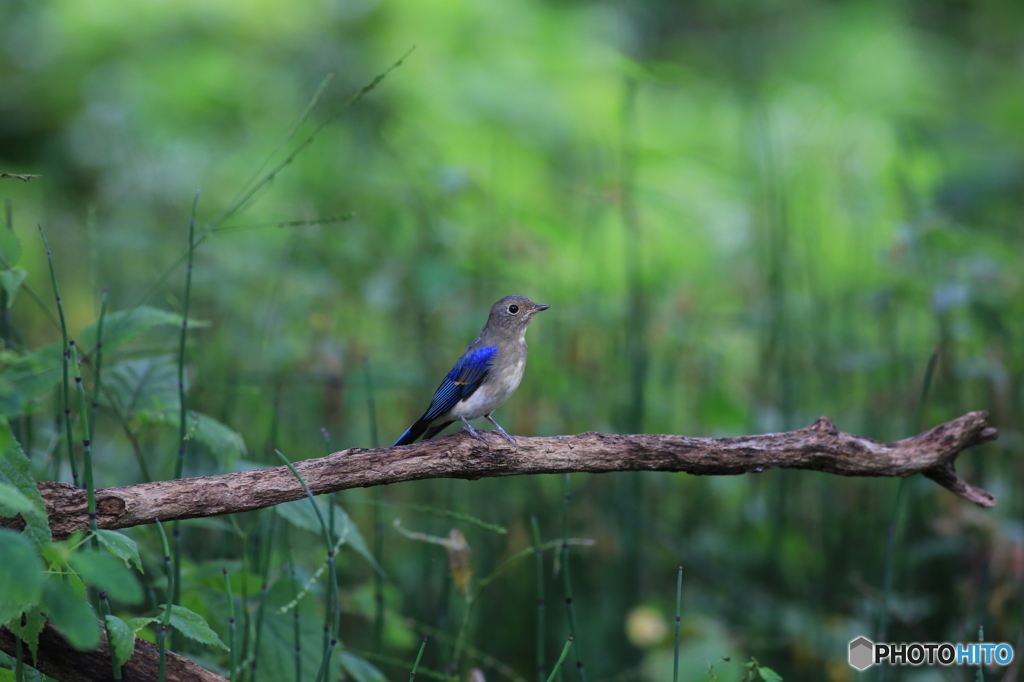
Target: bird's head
{"points": [[514, 313]]}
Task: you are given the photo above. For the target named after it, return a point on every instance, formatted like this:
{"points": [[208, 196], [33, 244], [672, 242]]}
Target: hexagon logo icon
{"points": [[861, 653]]}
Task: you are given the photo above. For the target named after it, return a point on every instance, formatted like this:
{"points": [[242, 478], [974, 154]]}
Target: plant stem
{"points": [[540, 597], [67, 358]]}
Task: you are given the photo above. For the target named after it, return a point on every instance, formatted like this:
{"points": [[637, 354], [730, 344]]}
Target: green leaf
{"points": [[16, 471], [768, 675], [122, 640], [67, 607], [122, 546], [21, 575], [11, 280], [137, 624], [193, 626], [24, 377], [360, 669], [220, 439], [12, 501], [301, 514], [29, 632], [139, 386], [104, 571], [10, 248], [127, 325], [345, 528], [6, 675]]}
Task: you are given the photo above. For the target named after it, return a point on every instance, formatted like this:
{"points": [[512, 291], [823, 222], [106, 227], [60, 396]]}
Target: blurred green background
{"points": [[743, 214]]}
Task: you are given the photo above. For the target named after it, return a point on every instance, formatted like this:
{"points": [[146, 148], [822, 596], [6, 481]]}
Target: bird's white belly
{"points": [[491, 395]]}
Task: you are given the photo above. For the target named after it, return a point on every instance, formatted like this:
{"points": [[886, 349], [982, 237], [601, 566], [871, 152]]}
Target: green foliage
{"points": [[124, 326], [360, 669], [122, 639], [122, 546], [16, 474], [105, 571], [300, 514], [28, 627], [67, 607], [21, 574]]}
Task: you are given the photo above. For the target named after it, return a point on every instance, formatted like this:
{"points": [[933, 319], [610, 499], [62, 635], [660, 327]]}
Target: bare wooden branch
{"points": [[818, 447], [61, 661], [19, 176]]}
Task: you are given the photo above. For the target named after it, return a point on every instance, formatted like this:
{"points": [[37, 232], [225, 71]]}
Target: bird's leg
{"points": [[510, 439], [473, 433]]}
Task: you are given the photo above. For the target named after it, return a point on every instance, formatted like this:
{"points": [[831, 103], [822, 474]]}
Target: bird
{"points": [[485, 376]]}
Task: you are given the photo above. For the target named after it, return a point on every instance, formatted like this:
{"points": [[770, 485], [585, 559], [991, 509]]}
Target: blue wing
{"points": [[467, 375]]}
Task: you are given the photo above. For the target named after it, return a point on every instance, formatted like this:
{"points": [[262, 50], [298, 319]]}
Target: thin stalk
{"points": [[540, 598], [86, 441], [183, 423], [330, 530], [679, 614], [165, 621], [179, 466], [561, 658], [566, 580], [66, 354], [99, 363], [231, 626], [332, 583], [416, 665], [105, 610], [264, 589], [19, 663], [296, 625], [378, 517]]}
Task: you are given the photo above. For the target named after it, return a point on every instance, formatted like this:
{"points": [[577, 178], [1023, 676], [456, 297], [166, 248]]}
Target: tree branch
{"points": [[60, 660], [818, 447]]}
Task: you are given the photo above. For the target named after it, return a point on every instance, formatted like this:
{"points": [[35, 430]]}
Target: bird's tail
{"points": [[413, 432], [421, 428]]}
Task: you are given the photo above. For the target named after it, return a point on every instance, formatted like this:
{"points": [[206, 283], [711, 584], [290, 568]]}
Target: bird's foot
{"points": [[510, 439], [473, 432]]}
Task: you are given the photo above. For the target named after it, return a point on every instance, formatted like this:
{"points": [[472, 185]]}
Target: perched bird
{"points": [[486, 375]]}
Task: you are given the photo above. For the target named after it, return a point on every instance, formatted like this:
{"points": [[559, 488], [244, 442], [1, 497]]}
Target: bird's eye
{"points": [[513, 309]]}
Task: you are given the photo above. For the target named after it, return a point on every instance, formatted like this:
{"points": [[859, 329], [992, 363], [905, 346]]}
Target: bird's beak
{"points": [[541, 306]]}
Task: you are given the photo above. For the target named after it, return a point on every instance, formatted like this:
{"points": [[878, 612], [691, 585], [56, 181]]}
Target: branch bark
{"points": [[60, 660], [818, 447]]}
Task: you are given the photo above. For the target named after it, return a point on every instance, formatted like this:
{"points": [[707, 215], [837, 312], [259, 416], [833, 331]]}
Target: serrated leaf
{"points": [[29, 632], [21, 575], [122, 546], [67, 607], [768, 675], [193, 626], [16, 471], [10, 248], [105, 572], [122, 640], [127, 325], [11, 281], [137, 624], [12, 501], [361, 670]]}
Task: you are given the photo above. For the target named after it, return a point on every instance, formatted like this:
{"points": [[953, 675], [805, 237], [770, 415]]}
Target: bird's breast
{"points": [[500, 384]]}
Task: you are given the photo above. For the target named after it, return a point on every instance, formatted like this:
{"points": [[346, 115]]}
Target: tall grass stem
{"points": [[67, 359]]}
